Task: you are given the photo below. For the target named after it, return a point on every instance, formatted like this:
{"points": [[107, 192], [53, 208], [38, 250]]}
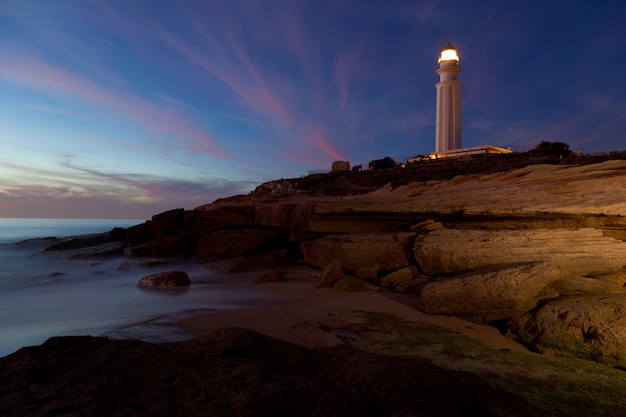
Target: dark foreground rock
{"points": [[234, 372], [170, 279]]}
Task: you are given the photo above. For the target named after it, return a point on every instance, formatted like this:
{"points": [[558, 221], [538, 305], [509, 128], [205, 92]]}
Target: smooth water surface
{"points": [[43, 295]]}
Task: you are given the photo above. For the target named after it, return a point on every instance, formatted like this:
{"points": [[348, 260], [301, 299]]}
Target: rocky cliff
{"points": [[493, 240]]}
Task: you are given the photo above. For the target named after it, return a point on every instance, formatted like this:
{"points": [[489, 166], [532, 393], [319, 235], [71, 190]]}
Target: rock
{"points": [[404, 274], [433, 226], [238, 242], [249, 263], [352, 284], [169, 279], [420, 226], [384, 251], [167, 223], [273, 276], [412, 286], [615, 281], [491, 294], [276, 187], [176, 246], [583, 251], [331, 274], [369, 273], [589, 326], [426, 225], [581, 285], [234, 372]]}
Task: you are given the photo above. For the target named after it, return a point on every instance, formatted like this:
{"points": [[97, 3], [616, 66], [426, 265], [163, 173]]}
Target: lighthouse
{"points": [[448, 115], [448, 119]]}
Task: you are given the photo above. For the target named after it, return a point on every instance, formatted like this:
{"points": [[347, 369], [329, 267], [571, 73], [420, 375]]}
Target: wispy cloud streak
{"points": [[36, 73]]}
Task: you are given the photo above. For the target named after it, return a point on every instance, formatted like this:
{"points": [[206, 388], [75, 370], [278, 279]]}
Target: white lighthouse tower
{"points": [[448, 122]]}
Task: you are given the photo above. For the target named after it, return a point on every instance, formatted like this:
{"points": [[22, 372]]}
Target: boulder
{"points": [[331, 274], [581, 285], [169, 279], [396, 277], [615, 281], [420, 226], [369, 273], [584, 251], [381, 251], [426, 226], [493, 293], [230, 243], [589, 326]]}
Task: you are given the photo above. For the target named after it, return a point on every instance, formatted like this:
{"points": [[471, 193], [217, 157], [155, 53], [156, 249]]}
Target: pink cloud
{"points": [[319, 140], [83, 192], [290, 28], [250, 85], [39, 74], [265, 95]]}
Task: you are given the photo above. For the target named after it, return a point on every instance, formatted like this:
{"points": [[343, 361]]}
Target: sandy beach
{"points": [[310, 317]]}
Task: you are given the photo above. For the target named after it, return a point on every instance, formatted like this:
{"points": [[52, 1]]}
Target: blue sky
{"points": [[124, 109]]}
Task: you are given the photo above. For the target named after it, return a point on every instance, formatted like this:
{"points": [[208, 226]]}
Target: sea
{"points": [[45, 294]]}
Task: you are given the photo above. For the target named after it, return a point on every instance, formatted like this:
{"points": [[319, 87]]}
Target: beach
{"points": [[296, 311]]}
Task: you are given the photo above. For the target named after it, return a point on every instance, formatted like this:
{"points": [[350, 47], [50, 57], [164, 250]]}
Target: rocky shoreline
{"points": [[494, 247], [536, 251]]}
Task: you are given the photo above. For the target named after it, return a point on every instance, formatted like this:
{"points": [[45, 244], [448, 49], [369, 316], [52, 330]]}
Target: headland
{"points": [[496, 282]]}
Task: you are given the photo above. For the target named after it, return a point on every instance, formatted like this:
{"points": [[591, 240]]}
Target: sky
{"points": [[128, 108]]}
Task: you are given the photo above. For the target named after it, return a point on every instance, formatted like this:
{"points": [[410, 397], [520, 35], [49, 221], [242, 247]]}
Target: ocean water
{"points": [[43, 294]]}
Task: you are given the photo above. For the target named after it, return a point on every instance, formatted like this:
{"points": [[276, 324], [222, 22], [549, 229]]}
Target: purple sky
{"points": [[123, 109]]}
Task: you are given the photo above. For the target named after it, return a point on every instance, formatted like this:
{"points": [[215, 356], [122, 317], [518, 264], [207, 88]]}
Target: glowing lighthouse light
{"points": [[448, 55]]}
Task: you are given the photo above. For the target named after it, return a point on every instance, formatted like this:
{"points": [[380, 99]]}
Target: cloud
{"points": [[36, 73], [77, 191]]}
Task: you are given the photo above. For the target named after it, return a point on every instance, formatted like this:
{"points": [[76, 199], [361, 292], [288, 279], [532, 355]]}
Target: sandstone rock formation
{"points": [[169, 279], [583, 285], [175, 246], [366, 255], [584, 251], [330, 275], [399, 276], [441, 218], [590, 326], [492, 294], [230, 243]]}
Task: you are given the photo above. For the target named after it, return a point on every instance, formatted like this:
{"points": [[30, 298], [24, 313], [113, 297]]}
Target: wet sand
{"points": [[302, 314]]}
